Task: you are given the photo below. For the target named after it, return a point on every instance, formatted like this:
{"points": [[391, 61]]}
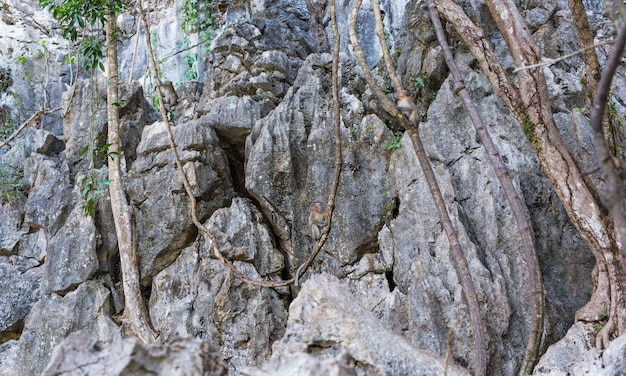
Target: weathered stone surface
{"points": [[423, 268], [19, 290], [326, 321], [196, 295], [262, 78], [290, 163], [54, 317], [242, 236], [71, 258], [81, 354], [156, 190], [50, 199], [46, 143], [231, 117], [11, 228], [9, 353], [34, 245], [575, 354], [85, 121]]}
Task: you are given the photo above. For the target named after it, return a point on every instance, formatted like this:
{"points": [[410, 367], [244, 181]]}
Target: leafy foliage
{"points": [[191, 71], [10, 184], [93, 186], [424, 94], [94, 182], [92, 51], [76, 16], [198, 18], [394, 143], [7, 123]]}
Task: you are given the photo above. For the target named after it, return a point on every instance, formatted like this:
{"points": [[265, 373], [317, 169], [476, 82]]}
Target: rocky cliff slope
{"points": [[254, 129]]}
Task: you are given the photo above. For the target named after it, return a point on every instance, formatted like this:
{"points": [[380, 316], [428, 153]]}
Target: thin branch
{"points": [[455, 247], [132, 62], [380, 33], [338, 160], [36, 116], [192, 200], [548, 61], [614, 194], [523, 224], [585, 39], [449, 345]]}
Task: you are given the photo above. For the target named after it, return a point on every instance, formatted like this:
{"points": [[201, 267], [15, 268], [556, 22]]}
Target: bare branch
{"points": [[449, 345], [479, 45], [35, 117], [548, 61]]}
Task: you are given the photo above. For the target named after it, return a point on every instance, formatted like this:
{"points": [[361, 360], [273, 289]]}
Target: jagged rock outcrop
{"points": [[196, 296], [79, 354], [255, 134], [326, 322]]}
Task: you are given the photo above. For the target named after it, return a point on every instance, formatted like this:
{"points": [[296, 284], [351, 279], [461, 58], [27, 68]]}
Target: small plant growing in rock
{"points": [[394, 143], [198, 18], [10, 184], [94, 182]]}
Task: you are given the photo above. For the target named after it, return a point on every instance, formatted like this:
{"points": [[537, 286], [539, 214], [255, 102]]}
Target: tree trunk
{"points": [[135, 313], [531, 105]]}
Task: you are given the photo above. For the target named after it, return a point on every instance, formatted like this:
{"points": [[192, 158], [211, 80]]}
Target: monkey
{"points": [[317, 220], [170, 97], [407, 107]]}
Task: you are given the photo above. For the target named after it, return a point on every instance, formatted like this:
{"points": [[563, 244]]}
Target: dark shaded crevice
{"points": [[234, 149], [146, 291], [69, 289], [236, 157], [392, 284], [13, 332]]}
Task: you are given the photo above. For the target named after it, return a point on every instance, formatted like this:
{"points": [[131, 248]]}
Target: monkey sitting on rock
{"points": [[170, 98], [317, 220]]}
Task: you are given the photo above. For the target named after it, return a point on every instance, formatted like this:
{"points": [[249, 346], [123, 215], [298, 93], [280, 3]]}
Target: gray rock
{"points": [[242, 236], [19, 290], [71, 256], [9, 354], [576, 354], [46, 143], [422, 267], [231, 117], [34, 245], [81, 354], [54, 317], [154, 187], [326, 322], [11, 228], [50, 199], [196, 296], [290, 164]]}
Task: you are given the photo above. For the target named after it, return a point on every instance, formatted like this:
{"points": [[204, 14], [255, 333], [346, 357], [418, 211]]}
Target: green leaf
{"points": [[84, 151]]}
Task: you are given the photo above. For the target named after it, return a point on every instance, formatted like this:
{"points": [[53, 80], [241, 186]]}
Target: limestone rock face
{"points": [[254, 130], [80, 354], [326, 320]]}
